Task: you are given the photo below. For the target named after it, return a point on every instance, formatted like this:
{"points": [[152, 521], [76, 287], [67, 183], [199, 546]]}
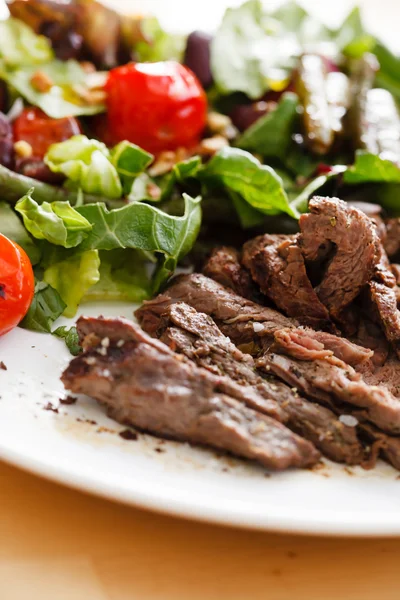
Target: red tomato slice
{"points": [[17, 284], [40, 131], [159, 106]]}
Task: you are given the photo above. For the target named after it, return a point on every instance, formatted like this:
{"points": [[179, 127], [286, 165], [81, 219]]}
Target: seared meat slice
{"points": [[336, 384], [196, 336], [386, 445], [143, 383], [306, 344], [276, 263], [392, 240], [370, 335], [332, 228], [242, 320], [247, 324], [224, 266], [384, 298]]}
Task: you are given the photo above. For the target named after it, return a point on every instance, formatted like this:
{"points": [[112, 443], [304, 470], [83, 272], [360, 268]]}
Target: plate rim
{"points": [[313, 524]]}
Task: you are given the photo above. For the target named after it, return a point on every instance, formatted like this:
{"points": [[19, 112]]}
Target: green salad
{"points": [[126, 151]]}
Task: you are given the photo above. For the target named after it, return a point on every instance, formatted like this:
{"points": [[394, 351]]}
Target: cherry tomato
{"points": [[159, 106], [17, 284], [40, 131]]}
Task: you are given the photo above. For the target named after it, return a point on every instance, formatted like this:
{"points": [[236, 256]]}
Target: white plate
{"points": [[79, 446]]}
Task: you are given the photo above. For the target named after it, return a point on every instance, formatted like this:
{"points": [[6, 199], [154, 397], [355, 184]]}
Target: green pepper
{"points": [[338, 92], [375, 121], [312, 91]]}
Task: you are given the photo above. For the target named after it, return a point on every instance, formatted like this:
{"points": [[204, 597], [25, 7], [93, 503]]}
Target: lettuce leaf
{"points": [[47, 305], [56, 222], [73, 277], [158, 44], [11, 227], [61, 100], [240, 50], [130, 161], [70, 337], [86, 163], [271, 134], [259, 185], [144, 227], [123, 277], [20, 46], [351, 37], [180, 173], [254, 51], [370, 168]]}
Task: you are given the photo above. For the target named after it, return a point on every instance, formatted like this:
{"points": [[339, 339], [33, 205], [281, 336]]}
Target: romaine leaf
{"points": [[371, 168], [130, 161], [158, 44], [300, 203], [259, 185], [11, 227], [46, 307], [73, 277], [140, 189], [70, 337], [180, 172], [123, 277], [61, 100], [388, 75], [246, 56], [351, 37], [58, 222], [271, 134], [20, 46], [291, 15], [248, 216], [86, 163], [144, 227]]}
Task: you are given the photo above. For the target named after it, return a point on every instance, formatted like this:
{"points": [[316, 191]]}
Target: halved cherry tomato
{"points": [[17, 284], [40, 131], [159, 106]]}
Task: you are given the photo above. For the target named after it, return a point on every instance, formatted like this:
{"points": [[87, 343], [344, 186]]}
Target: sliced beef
{"points": [[370, 335], [387, 374], [384, 298], [196, 336], [336, 384], [242, 320], [247, 324], [277, 266], [374, 212], [306, 344], [224, 266], [383, 444], [346, 238], [392, 240], [144, 384]]}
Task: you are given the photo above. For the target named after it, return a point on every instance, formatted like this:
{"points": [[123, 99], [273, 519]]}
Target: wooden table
{"points": [[58, 544]]}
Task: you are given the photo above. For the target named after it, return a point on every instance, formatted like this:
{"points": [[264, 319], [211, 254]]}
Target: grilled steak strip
{"points": [[306, 344], [384, 298], [336, 384], [196, 336], [240, 319], [143, 383], [224, 266], [392, 239], [386, 445], [332, 225], [276, 263], [247, 324]]}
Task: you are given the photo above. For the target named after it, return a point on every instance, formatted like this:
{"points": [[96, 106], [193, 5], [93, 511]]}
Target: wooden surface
{"points": [[58, 544]]}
